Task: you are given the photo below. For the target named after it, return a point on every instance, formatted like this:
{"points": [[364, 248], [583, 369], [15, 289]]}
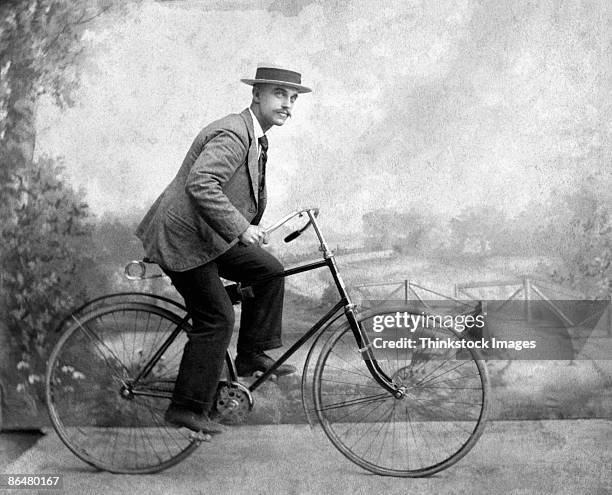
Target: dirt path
{"points": [[512, 457]]}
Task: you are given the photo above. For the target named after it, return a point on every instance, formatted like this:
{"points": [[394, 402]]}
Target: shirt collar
{"points": [[256, 127]]}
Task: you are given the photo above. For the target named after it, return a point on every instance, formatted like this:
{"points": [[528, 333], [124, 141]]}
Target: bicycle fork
{"points": [[365, 348]]}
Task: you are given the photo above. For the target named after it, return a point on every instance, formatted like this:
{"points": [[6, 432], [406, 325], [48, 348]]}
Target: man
{"points": [[204, 226]]}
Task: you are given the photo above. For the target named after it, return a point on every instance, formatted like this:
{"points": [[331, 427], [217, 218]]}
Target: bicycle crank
{"points": [[233, 403]]}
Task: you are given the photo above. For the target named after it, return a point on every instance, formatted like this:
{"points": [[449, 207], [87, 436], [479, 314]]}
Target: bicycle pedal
{"points": [[200, 436]]}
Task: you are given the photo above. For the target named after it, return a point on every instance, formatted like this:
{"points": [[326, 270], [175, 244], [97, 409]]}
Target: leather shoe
{"points": [[178, 416], [247, 364]]}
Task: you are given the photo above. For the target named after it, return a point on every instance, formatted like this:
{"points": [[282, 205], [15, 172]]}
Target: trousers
{"points": [[213, 319]]}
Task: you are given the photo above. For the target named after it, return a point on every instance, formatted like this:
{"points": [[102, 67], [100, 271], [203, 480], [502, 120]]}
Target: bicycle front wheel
{"points": [[96, 408], [436, 422]]}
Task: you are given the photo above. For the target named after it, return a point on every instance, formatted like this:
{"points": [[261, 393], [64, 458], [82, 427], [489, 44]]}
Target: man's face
{"points": [[275, 104]]}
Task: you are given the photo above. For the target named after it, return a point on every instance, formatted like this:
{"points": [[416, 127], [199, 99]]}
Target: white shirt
{"points": [[258, 130]]}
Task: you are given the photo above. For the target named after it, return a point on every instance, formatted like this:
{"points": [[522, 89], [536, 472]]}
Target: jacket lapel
{"points": [[252, 158]]}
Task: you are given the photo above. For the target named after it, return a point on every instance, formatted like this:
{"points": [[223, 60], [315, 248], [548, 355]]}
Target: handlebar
{"points": [[311, 212]]}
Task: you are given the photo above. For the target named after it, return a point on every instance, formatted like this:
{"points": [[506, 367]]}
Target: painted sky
{"points": [[437, 104]]}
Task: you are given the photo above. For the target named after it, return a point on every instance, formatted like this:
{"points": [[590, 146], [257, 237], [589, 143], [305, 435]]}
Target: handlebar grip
{"points": [[293, 236]]}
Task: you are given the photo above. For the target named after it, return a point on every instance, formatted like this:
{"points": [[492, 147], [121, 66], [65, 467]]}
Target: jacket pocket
{"points": [[175, 220]]}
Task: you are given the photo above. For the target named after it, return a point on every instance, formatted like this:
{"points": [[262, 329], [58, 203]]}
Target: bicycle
{"points": [[410, 412]]}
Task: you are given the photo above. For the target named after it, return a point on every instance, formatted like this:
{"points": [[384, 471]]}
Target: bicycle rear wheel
{"points": [[97, 410], [438, 420]]}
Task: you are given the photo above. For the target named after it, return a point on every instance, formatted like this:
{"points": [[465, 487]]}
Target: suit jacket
{"points": [[210, 202]]}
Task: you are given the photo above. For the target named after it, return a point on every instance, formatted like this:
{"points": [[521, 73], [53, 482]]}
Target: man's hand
{"points": [[254, 234]]}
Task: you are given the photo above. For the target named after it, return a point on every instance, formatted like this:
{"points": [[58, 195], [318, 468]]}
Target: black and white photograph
{"points": [[306, 247]]}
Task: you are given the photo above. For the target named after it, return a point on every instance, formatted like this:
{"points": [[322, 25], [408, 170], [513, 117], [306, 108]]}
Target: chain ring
{"points": [[233, 403]]}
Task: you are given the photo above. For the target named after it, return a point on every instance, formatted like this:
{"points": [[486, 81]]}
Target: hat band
{"points": [[274, 74]]}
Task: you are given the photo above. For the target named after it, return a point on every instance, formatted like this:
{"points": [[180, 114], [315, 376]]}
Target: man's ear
{"points": [[256, 91]]}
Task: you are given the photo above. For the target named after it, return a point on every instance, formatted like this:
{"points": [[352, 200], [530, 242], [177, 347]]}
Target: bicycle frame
{"points": [[345, 304], [358, 411]]}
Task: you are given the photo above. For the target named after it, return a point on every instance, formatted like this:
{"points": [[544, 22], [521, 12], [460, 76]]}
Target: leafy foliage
{"points": [[46, 250], [478, 225], [40, 53], [583, 225], [46, 257], [41, 42]]}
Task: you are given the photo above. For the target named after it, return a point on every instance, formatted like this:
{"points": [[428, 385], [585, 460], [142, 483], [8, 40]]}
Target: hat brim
{"points": [[298, 87]]}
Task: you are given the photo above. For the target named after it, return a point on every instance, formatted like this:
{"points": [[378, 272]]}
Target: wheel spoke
{"points": [[361, 400]]}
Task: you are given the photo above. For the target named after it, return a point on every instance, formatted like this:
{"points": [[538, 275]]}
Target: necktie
{"points": [[263, 158]]}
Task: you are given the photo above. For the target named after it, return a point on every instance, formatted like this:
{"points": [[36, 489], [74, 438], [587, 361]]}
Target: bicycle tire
{"points": [[120, 298], [440, 418], [86, 374]]}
